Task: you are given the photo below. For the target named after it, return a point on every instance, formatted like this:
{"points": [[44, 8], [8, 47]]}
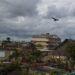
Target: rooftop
{"points": [[47, 35]]}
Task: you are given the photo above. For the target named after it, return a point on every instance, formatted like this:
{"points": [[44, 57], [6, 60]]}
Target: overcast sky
{"points": [[20, 19]]}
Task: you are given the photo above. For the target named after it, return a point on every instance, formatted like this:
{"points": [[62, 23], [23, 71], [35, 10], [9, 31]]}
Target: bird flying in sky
{"points": [[55, 19]]}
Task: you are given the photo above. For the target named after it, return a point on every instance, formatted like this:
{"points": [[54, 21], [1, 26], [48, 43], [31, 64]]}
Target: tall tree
{"points": [[8, 39], [16, 56], [31, 57], [70, 52]]}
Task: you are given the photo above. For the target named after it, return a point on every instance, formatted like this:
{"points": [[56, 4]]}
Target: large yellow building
{"points": [[46, 41]]}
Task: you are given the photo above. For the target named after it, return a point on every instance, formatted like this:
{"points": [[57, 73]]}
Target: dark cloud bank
{"points": [[21, 19]]}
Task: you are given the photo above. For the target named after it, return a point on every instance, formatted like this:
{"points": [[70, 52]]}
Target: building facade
{"points": [[46, 41]]}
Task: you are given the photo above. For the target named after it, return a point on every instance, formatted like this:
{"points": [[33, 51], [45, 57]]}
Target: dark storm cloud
{"points": [[10, 10], [24, 8], [23, 18], [62, 12], [59, 13], [13, 8]]}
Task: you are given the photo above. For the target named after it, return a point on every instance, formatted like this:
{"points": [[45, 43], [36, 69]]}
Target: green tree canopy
{"points": [[70, 50]]}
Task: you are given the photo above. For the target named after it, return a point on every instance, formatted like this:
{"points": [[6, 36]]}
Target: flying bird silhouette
{"points": [[55, 19]]}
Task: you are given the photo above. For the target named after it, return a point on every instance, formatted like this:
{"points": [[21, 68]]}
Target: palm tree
{"points": [[8, 39]]}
